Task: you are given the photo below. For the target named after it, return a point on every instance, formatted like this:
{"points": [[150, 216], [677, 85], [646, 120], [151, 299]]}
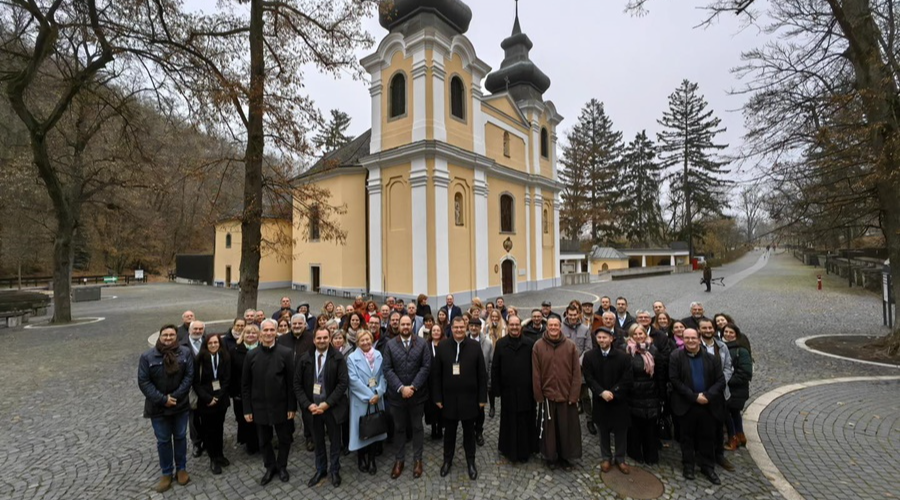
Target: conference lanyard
{"points": [[215, 367]]}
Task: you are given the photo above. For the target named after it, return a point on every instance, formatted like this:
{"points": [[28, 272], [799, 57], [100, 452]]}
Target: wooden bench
{"points": [[15, 318]]}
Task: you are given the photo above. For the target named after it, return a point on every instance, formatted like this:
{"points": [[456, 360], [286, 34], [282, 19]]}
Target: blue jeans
{"points": [[168, 429]]}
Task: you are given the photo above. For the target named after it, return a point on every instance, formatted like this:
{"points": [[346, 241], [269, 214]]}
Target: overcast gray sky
{"points": [[592, 49]]}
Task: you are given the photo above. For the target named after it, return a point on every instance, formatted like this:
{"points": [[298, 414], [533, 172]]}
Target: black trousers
{"points": [[408, 419], [643, 440], [212, 425], [586, 403], [697, 435], [620, 431], [194, 429], [246, 432], [285, 438], [323, 425], [479, 421], [469, 431]]}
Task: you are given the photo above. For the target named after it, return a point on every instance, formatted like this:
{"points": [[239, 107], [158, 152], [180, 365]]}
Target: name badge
{"points": [[216, 385], [372, 382], [317, 389], [456, 368]]}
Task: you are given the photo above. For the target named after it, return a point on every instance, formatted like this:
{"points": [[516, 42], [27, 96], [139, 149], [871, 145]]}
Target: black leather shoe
{"points": [[310, 445], [284, 476], [373, 469], [198, 450], [267, 477], [215, 467], [223, 461], [445, 469], [336, 479], [491, 412], [591, 427], [473, 472], [318, 476], [688, 473], [479, 438], [711, 475], [363, 462]]}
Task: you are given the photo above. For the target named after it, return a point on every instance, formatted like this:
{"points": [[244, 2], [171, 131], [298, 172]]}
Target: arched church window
{"points": [[228, 240], [545, 143], [398, 95], [457, 98], [507, 223]]}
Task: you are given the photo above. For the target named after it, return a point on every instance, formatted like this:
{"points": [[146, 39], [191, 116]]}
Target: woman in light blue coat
{"points": [[367, 386]]}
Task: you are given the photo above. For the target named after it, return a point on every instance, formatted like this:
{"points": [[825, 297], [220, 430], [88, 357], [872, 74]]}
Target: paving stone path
{"points": [[70, 409]]}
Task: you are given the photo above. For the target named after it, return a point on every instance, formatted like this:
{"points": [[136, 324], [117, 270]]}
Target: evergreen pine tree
{"points": [[592, 158], [641, 177], [332, 135], [686, 145]]}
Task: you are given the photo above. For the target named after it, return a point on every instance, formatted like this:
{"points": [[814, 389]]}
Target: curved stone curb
{"points": [[755, 446], [153, 336], [801, 343], [93, 319]]}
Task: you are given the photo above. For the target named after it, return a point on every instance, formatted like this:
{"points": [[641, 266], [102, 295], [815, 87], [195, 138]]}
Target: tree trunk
{"points": [[251, 220], [63, 256]]}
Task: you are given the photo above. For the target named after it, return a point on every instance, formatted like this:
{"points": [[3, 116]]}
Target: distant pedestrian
{"points": [[707, 276], [165, 373]]}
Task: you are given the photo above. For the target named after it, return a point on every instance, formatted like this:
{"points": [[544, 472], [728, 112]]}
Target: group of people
{"points": [[639, 380]]}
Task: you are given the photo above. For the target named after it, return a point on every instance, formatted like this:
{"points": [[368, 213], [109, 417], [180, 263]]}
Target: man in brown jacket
{"points": [[556, 380]]}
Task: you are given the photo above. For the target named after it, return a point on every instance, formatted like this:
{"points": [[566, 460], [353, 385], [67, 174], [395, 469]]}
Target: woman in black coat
{"points": [[246, 431], [432, 412], [739, 384], [643, 437], [211, 385]]}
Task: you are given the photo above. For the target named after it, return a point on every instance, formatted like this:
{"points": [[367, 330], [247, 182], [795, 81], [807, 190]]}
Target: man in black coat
{"points": [[321, 382], [698, 385], [269, 399], [300, 342], [460, 390], [407, 361], [697, 313], [608, 373], [511, 381], [535, 328], [624, 319], [452, 310]]}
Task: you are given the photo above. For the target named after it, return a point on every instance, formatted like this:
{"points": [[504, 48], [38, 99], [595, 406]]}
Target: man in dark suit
{"points": [[452, 310], [624, 319], [193, 341], [321, 382], [698, 385], [407, 360], [184, 329], [300, 342], [459, 388], [608, 373], [269, 399]]}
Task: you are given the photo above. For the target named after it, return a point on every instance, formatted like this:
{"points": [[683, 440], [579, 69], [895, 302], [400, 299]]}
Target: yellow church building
{"points": [[452, 190]]}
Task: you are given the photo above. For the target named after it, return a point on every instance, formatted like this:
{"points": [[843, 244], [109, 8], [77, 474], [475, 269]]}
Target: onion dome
{"points": [[517, 72], [454, 12]]}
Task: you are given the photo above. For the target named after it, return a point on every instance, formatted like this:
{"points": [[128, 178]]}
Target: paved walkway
{"points": [[70, 410]]}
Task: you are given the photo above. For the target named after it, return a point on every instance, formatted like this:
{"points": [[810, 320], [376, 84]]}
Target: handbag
{"points": [[192, 396], [373, 423]]}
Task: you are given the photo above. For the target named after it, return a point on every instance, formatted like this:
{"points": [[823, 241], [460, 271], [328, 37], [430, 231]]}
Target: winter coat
{"points": [[609, 373], [487, 350], [579, 334], [460, 394], [645, 389], [359, 373], [267, 384], [298, 347], [337, 382], [203, 382], [683, 394], [402, 368], [157, 385], [556, 371], [740, 379]]}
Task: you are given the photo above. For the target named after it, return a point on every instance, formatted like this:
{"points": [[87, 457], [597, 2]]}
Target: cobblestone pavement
{"points": [[837, 441], [70, 410]]}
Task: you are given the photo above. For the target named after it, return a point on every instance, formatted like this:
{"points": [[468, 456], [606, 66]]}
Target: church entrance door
{"points": [[508, 274]]}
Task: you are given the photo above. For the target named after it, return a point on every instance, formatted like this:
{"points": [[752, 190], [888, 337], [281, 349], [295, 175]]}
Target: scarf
{"points": [[170, 357], [635, 348], [370, 357], [250, 347]]}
